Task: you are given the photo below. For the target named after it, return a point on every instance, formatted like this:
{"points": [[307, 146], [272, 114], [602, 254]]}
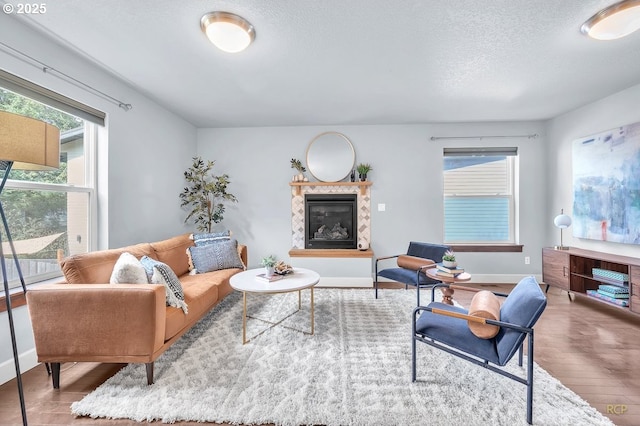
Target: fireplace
{"points": [[330, 221]]}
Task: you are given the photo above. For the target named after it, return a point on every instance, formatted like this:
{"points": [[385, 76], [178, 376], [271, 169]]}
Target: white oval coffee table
{"points": [[247, 282]]}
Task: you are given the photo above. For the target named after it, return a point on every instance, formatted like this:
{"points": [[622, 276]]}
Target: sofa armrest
{"points": [[242, 250], [92, 322]]}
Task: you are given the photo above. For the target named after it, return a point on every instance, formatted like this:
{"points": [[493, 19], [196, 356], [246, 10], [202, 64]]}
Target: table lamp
{"points": [[562, 221], [28, 144]]}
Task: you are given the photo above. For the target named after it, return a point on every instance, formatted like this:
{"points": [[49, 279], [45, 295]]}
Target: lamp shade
{"points": [[31, 144], [562, 221], [616, 21], [228, 32]]}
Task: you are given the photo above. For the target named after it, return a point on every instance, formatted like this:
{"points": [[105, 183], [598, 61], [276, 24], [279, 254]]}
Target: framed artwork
{"points": [[606, 186]]}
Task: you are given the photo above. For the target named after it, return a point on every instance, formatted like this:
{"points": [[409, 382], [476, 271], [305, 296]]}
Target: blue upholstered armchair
{"points": [[415, 274], [448, 328]]}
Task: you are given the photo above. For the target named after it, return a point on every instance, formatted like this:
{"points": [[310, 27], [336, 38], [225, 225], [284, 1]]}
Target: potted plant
{"points": [[269, 263], [449, 259], [204, 194], [363, 169], [297, 164]]}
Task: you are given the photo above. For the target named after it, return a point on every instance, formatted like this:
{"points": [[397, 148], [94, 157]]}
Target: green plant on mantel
{"points": [[297, 164], [364, 168], [205, 194]]}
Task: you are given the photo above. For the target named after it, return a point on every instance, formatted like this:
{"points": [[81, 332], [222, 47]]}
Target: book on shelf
{"points": [[620, 302], [613, 288], [272, 278], [447, 274], [614, 295], [456, 271]]}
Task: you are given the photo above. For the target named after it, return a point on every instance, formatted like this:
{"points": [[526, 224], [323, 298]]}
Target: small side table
{"points": [[447, 293]]}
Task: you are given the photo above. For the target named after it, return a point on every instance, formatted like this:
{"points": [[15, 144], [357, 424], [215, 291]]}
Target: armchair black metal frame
{"points": [[525, 333], [432, 253]]}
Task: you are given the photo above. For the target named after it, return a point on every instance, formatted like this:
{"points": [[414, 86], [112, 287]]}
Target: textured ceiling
{"points": [[331, 62]]}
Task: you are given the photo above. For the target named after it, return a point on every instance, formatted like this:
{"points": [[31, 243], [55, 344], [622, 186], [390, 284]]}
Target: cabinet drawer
{"points": [[634, 276], [555, 268]]}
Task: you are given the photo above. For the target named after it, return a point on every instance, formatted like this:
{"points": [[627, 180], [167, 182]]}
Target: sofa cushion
{"points": [[96, 267], [161, 273], [214, 257], [128, 270], [210, 238], [172, 252]]}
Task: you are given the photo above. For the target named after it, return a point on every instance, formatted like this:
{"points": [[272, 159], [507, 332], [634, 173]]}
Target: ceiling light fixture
{"points": [[613, 22], [228, 32]]}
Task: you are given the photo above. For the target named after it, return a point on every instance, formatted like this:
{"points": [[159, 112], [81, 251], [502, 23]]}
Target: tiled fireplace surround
{"points": [[298, 216]]}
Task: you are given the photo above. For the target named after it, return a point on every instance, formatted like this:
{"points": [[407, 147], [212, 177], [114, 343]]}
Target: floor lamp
{"points": [[29, 144]]}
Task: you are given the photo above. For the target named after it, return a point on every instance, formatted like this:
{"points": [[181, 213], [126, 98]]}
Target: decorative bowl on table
{"points": [[283, 269]]}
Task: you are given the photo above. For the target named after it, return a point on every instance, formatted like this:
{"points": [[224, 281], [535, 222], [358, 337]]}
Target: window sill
{"points": [[489, 248], [18, 298]]}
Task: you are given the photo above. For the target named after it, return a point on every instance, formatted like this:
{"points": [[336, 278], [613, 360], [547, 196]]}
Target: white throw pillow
{"points": [[128, 270]]}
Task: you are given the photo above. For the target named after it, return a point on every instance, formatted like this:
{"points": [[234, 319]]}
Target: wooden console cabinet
{"points": [[571, 269]]}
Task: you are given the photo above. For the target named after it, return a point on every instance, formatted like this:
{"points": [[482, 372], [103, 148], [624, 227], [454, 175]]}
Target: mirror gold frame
{"points": [[330, 157]]}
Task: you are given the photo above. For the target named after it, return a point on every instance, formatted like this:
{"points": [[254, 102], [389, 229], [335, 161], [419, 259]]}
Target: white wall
{"points": [[613, 111], [140, 169], [406, 176]]}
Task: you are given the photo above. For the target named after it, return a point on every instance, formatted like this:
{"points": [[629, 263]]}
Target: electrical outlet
{"points": [[382, 207], [527, 260]]}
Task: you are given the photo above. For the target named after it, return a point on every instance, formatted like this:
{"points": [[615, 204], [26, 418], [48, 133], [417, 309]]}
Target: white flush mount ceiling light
{"points": [[228, 32], [613, 22]]}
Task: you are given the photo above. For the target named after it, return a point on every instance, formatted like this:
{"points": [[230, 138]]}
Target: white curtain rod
{"points": [[531, 136], [51, 70]]}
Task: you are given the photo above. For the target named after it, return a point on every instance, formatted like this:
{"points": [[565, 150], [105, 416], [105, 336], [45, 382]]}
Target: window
{"points": [[49, 213], [479, 195]]}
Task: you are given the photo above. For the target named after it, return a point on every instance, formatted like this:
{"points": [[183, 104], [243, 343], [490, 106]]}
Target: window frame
{"points": [[93, 120], [511, 244]]}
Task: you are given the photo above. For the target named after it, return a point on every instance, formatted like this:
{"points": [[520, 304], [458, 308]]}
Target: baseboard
{"points": [[345, 282], [492, 278], [28, 360]]}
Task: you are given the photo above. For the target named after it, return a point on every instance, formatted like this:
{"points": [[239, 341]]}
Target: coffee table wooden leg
{"points": [[312, 313], [447, 296], [244, 317]]}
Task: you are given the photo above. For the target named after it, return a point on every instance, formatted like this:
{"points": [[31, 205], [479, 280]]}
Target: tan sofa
{"points": [[87, 319]]}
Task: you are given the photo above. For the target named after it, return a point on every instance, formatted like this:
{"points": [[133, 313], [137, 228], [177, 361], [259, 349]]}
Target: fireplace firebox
{"points": [[330, 221]]}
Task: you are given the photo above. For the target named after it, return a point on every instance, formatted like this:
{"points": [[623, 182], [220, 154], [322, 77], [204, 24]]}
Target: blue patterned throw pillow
{"points": [[161, 273], [210, 238], [213, 257]]}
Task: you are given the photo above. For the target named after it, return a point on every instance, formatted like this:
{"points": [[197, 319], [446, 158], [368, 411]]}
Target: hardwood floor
{"points": [[591, 348]]}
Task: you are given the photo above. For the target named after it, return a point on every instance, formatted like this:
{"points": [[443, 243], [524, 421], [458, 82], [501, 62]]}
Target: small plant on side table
{"points": [[449, 259]]}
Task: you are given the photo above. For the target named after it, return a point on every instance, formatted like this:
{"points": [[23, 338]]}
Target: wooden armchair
{"points": [[448, 328]]}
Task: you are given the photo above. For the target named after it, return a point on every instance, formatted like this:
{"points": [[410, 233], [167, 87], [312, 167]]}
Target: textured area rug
{"points": [[356, 370]]}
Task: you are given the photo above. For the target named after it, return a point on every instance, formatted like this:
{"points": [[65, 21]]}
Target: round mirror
{"points": [[330, 157]]}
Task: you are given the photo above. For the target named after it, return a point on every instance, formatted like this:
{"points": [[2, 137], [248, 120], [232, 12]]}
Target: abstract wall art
{"points": [[606, 186]]}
